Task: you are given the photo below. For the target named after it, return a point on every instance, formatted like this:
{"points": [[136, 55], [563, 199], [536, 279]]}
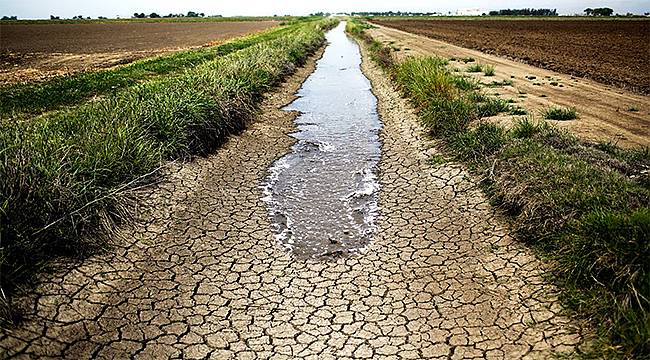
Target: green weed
{"points": [[474, 68], [488, 70], [560, 113]]}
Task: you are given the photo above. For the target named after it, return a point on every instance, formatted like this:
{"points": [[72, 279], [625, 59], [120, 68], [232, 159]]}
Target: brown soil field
{"points": [[37, 51], [605, 113], [615, 52]]}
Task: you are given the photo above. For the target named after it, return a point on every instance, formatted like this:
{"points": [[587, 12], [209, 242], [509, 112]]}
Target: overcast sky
{"points": [[26, 9]]}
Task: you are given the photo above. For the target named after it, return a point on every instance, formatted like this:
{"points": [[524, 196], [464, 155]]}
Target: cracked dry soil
{"points": [[200, 275]]}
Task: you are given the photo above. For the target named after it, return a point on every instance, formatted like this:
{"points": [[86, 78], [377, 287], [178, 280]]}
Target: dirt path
{"points": [[605, 113], [201, 276]]}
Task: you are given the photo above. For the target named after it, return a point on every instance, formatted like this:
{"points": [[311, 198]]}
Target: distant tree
{"points": [[192, 14], [201, 14], [9, 18], [524, 12], [603, 12], [52, 17], [154, 15], [102, 17], [139, 16], [589, 11]]}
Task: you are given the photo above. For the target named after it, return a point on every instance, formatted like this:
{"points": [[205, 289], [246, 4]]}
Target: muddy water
{"points": [[322, 196]]}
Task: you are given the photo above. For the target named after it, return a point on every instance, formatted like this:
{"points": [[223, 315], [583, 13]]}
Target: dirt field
{"points": [[37, 51], [612, 52], [605, 113]]}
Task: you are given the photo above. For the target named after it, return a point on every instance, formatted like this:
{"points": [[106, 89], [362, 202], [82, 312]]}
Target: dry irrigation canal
{"points": [[388, 256]]}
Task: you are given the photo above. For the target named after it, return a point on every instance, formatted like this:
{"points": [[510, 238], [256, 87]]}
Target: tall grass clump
{"points": [[475, 68], [585, 206], [560, 113], [62, 175]]}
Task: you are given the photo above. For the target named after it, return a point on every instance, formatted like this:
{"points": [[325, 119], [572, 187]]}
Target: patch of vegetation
{"points": [[33, 98], [436, 160], [560, 113], [64, 173], [517, 110], [474, 68], [499, 83], [585, 207], [633, 109], [488, 70]]}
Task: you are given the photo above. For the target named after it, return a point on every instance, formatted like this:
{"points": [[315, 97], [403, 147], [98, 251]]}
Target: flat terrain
{"points": [[200, 275], [615, 52], [605, 113], [35, 51]]}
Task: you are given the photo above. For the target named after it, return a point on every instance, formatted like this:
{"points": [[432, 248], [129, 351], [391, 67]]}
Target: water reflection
{"points": [[322, 196]]}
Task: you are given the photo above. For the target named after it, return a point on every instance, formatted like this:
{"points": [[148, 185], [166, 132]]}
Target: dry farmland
{"points": [[37, 51], [612, 52]]}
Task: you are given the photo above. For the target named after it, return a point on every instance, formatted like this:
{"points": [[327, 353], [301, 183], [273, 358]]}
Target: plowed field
{"points": [[615, 52], [37, 51]]}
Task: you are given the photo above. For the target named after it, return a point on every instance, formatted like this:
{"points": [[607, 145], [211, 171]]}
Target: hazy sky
{"points": [[125, 8]]}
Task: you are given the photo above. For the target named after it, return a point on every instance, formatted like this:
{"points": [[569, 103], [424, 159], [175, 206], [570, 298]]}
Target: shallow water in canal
{"points": [[322, 196]]}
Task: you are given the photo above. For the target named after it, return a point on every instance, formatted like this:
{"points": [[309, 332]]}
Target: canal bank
{"points": [[201, 274]]}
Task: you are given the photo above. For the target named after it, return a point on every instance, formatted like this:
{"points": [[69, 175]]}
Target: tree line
{"points": [[599, 11], [190, 14], [524, 12]]}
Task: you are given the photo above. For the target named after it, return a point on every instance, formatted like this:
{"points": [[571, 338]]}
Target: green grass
{"points": [[584, 206], [560, 113], [62, 175], [474, 68], [19, 101], [488, 70]]}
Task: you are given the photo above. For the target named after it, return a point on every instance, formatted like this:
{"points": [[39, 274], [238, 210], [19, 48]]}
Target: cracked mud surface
{"points": [[201, 276]]}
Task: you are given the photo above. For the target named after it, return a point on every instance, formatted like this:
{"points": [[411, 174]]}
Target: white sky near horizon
{"points": [[39, 9]]}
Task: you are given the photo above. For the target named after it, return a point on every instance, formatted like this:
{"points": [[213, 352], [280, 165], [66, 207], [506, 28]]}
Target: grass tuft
{"points": [[488, 70], [560, 113], [474, 68]]}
